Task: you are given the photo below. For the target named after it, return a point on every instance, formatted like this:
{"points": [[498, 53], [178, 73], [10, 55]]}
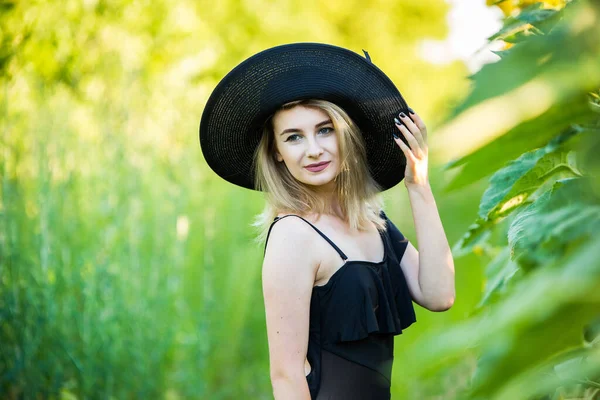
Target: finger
{"points": [[412, 141], [413, 128], [405, 149], [418, 122]]}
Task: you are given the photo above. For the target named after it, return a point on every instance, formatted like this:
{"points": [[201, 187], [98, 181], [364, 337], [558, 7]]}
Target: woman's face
{"points": [[304, 136]]}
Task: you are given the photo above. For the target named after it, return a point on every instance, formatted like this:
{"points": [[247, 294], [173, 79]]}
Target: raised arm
{"points": [[288, 275], [430, 271]]}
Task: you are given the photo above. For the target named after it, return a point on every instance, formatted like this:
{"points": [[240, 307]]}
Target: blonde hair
{"points": [[357, 191]]}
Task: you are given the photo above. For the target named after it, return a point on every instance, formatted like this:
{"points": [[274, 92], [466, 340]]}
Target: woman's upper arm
{"points": [[288, 275], [410, 268], [408, 257]]}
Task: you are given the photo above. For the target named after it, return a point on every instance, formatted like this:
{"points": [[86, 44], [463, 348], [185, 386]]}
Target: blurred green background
{"points": [[129, 270]]}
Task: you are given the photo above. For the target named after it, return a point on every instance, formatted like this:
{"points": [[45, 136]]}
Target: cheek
{"points": [[289, 154], [282, 151], [332, 141], [333, 146]]}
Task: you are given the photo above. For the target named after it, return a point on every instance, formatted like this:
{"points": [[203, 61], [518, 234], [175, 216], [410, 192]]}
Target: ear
{"points": [[278, 156]]}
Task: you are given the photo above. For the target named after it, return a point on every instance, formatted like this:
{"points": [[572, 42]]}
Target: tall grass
{"points": [[118, 276]]}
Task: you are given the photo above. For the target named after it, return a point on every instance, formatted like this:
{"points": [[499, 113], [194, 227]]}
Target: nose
{"points": [[314, 149]]}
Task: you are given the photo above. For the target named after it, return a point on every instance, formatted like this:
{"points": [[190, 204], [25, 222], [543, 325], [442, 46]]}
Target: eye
{"points": [[326, 129], [292, 138]]}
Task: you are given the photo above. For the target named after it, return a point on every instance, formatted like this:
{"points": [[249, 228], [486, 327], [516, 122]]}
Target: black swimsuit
{"points": [[353, 320]]}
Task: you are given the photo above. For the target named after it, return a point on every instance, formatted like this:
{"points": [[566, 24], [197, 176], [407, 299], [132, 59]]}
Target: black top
{"points": [[353, 320]]}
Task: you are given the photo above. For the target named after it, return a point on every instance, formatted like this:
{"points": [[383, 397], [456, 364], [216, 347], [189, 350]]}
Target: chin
{"points": [[318, 180]]}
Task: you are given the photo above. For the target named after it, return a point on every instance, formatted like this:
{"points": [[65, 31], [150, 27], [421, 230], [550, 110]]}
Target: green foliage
{"points": [[539, 218]]}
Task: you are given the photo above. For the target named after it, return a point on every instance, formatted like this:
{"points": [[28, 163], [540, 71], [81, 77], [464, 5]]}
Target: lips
{"points": [[318, 166]]}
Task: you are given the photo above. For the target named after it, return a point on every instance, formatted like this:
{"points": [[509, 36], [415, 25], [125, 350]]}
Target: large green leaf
{"points": [[498, 273], [563, 117], [477, 235], [531, 15], [560, 218], [512, 185]]}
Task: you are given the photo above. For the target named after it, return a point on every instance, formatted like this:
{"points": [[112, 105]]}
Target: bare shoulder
{"points": [[288, 242]]}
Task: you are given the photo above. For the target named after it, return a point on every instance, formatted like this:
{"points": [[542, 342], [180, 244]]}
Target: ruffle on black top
{"points": [[375, 296]]}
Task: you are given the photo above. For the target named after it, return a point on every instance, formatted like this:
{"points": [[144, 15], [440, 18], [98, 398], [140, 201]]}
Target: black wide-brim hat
{"points": [[235, 113]]}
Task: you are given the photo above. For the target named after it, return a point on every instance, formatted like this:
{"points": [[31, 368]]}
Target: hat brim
{"points": [[235, 113]]}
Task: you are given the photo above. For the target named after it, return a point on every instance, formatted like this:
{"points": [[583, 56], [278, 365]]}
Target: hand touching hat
{"points": [[416, 152]]}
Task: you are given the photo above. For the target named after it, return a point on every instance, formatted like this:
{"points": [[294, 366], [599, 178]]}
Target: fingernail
{"points": [[402, 115], [397, 121], [395, 136], [410, 110]]}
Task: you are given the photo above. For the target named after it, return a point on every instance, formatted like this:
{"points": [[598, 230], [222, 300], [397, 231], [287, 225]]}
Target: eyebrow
{"points": [[292, 130]]}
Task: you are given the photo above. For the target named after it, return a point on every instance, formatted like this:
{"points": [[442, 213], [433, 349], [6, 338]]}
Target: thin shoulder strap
{"points": [[340, 252], [382, 214]]}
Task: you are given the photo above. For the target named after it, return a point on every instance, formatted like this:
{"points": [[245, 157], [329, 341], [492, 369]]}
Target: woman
{"points": [[321, 130]]}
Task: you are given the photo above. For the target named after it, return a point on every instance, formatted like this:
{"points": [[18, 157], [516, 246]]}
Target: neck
{"points": [[328, 194]]}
